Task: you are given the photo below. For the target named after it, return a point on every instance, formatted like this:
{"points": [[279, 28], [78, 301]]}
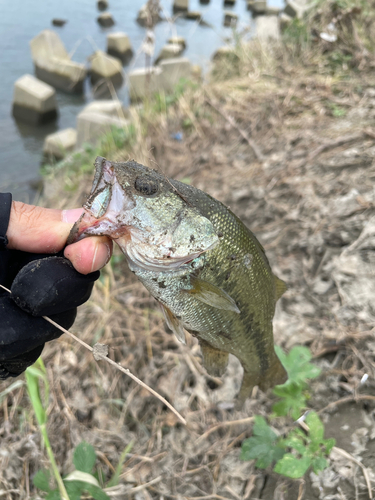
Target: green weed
{"points": [[162, 101], [82, 479], [294, 393], [293, 454]]}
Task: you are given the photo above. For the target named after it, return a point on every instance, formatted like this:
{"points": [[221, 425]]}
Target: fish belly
{"points": [[219, 333]]}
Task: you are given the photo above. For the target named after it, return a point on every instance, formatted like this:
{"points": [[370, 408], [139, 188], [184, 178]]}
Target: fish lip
{"points": [[87, 225]]}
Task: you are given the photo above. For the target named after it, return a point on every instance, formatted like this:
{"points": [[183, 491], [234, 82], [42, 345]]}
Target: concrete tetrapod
{"points": [[53, 64], [34, 101]]}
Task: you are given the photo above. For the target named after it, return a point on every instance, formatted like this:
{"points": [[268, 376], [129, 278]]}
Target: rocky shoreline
{"points": [[35, 97]]}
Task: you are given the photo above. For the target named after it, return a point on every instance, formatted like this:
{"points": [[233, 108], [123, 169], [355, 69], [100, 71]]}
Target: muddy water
{"points": [[20, 20]]}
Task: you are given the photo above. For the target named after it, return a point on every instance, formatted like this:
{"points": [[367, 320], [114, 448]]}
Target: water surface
{"points": [[21, 145]]}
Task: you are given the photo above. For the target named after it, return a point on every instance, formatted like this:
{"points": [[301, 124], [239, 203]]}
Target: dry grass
{"points": [[308, 197]]}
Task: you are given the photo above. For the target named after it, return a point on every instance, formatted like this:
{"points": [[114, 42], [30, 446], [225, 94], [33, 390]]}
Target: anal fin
{"points": [[281, 287], [214, 360]]}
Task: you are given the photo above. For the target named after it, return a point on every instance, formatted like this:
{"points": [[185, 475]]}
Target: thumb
{"points": [[36, 229]]}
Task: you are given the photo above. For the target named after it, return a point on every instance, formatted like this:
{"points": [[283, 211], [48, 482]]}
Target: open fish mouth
{"points": [[155, 231]]}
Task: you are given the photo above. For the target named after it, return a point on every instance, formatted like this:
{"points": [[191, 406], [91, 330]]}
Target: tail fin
{"points": [[275, 375]]}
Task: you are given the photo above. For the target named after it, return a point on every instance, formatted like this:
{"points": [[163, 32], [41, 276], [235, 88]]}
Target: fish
{"points": [[205, 268]]}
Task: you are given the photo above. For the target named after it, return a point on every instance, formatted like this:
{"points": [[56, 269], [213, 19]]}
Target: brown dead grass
{"points": [[299, 201]]}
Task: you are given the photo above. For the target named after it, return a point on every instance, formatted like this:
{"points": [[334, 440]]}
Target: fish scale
{"points": [[200, 262]]}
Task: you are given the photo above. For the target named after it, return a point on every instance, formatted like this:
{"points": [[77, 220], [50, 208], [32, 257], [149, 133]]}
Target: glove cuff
{"points": [[5, 206]]}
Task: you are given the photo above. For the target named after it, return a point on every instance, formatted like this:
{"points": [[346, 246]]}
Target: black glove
{"points": [[40, 286]]}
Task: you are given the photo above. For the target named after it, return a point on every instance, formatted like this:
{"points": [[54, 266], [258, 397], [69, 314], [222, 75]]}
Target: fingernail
{"points": [[102, 254], [71, 215]]}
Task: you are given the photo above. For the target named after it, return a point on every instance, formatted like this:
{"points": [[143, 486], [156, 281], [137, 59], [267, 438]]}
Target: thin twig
{"points": [[334, 144], [113, 363], [223, 424], [233, 123], [349, 399], [350, 457]]}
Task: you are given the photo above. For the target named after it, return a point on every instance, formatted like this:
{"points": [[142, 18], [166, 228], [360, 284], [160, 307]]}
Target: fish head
{"points": [[144, 214]]}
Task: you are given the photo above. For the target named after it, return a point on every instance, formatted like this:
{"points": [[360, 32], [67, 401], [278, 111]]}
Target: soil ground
{"points": [[293, 154]]}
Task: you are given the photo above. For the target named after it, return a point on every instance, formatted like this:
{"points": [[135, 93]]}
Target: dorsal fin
{"points": [[281, 287]]}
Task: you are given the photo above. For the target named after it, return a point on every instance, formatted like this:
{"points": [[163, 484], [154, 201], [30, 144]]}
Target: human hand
{"points": [[42, 283], [43, 230]]}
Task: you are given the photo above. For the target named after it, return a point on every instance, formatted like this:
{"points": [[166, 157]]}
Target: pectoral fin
{"points": [[174, 324], [212, 295], [214, 361]]}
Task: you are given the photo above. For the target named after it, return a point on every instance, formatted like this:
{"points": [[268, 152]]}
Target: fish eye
{"points": [[146, 185]]}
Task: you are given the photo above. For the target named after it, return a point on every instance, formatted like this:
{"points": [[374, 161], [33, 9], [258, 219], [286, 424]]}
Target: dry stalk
{"points": [[99, 355], [334, 144], [223, 424], [349, 399], [350, 457]]}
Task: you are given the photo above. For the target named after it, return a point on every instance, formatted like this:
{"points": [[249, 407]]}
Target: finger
{"points": [[89, 254], [36, 229]]}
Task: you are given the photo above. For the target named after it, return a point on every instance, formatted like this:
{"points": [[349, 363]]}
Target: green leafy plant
{"points": [[307, 449], [264, 446], [77, 482], [294, 393], [301, 449], [81, 480], [292, 455], [33, 375]]}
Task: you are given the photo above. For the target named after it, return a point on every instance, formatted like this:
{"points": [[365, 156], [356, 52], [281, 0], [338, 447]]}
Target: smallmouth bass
{"points": [[208, 271]]}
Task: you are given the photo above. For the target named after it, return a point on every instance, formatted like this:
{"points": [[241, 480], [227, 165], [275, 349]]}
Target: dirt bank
{"points": [[291, 151]]}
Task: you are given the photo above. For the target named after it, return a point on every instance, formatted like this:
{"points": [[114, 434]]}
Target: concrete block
{"points": [[161, 78], [169, 51], [178, 40], [34, 101], [273, 11], [258, 7], [180, 5], [92, 126], [172, 70], [224, 52], [230, 19], [107, 107], [118, 45], [106, 67], [193, 15], [145, 17], [53, 64], [47, 45], [144, 82], [105, 20], [59, 144], [267, 28], [296, 8], [102, 4]]}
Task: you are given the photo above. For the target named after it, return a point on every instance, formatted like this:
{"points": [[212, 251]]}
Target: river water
{"points": [[20, 144]]}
